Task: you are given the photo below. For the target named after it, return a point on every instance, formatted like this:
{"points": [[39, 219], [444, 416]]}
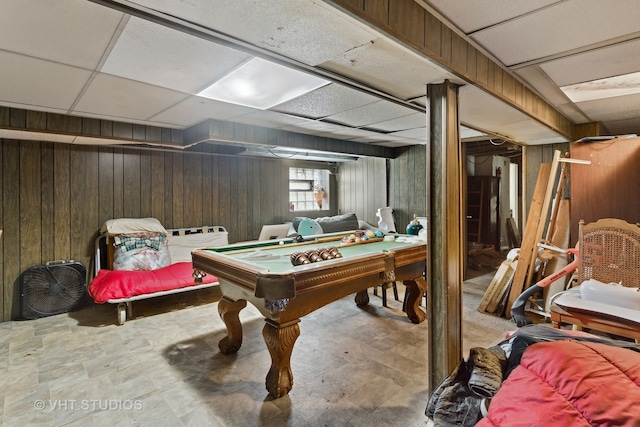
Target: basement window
{"points": [[308, 189]]}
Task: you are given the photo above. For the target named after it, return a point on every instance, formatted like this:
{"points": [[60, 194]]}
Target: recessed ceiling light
{"points": [[627, 84], [262, 84]]}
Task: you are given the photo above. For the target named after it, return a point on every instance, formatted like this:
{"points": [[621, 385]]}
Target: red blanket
{"points": [[570, 383], [118, 284]]}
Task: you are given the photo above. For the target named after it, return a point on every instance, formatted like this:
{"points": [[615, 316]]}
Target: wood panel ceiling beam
{"points": [[409, 23]]}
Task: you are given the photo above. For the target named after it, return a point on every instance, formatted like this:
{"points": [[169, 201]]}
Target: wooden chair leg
{"points": [[383, 288], [384, 295]]}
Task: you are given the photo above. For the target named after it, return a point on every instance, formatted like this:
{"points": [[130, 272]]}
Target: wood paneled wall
{"points": [[408, 186], [371, 183], [55, 197], [362, 187], [607, 188]]}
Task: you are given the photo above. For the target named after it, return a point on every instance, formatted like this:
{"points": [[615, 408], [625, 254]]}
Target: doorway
{"points": [[493, 194]]}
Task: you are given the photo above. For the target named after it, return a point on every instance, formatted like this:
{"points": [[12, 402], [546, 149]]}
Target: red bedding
{"points": [[570, 383], [121, 284]]}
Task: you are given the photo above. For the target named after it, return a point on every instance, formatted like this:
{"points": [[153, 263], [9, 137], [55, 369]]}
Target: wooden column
{"points": [[446, 229]]}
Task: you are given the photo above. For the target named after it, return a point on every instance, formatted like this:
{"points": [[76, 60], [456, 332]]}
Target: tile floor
{"points": [[351, 366]]}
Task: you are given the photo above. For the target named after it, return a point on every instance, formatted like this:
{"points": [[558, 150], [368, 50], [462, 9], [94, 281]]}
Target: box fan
{"points": [[54, 288]]}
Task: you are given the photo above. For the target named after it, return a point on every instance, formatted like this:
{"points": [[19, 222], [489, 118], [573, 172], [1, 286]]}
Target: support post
{"points": [[446, 229]]}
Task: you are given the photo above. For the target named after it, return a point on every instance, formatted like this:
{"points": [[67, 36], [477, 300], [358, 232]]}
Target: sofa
{"points": [[328, 225]]}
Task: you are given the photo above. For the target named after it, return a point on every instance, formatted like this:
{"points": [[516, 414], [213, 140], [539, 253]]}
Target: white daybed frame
{"points": [[124, 307]]}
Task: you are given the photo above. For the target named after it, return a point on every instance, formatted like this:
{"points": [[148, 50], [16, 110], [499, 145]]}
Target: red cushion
{"points": [[118, 284]]}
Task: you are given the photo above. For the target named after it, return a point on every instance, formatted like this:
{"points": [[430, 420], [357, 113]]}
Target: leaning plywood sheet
{"points": [[534, 228], [529, 241], [498, 287]]}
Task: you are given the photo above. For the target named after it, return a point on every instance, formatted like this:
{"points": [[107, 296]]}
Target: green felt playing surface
{"points": [[276, 258]]}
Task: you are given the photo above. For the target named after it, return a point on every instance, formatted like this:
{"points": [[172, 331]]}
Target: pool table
{"points": [[263, 274]]}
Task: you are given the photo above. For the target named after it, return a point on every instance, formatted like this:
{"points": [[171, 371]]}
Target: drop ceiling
{"points": [[145, 62], [552, 44]]}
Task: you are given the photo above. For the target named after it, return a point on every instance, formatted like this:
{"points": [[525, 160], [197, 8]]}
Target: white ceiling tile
{"points": [[617, 108], [421, 101], [325, 101], [402, 123], [472, 15], [71, 32], [196, 109], [538, 79], [283, 26], [564, 26], [623, 58], [393, 144], [374, 64], [38, 83], [80, 32], [624, 127], [314, 127], [370, 139], [380, 137], [121, 98], [573, 113], [417, 133], [371, 113], [479, 110], [356, 133], [466, 132], [548, 139], [550, 92], [158, 55], [268, 119], [530, 132]]}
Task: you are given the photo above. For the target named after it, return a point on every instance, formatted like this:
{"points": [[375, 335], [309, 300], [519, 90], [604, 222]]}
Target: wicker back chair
{"points": [[609, 252]]}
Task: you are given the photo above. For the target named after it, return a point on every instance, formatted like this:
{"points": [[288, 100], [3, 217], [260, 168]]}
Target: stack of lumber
{"points": [[494, 299], [515, 276]]}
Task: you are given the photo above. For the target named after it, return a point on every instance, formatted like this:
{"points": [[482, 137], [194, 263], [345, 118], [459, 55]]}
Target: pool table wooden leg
{"points": [[229, 311], [280, 340], [362, 298], [416, 289]]}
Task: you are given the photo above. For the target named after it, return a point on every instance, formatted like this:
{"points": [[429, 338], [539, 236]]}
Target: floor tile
{"points": [[352, 366]]}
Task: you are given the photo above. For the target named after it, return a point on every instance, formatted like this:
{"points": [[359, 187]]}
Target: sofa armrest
{"points": [[362, 225]]}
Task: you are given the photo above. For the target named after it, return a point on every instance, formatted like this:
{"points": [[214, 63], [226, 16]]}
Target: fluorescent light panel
{"points": [[627, 84], [262, 84]]}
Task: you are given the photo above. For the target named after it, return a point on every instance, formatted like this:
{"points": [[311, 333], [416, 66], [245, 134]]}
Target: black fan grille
{"points": [[54, 289]]}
